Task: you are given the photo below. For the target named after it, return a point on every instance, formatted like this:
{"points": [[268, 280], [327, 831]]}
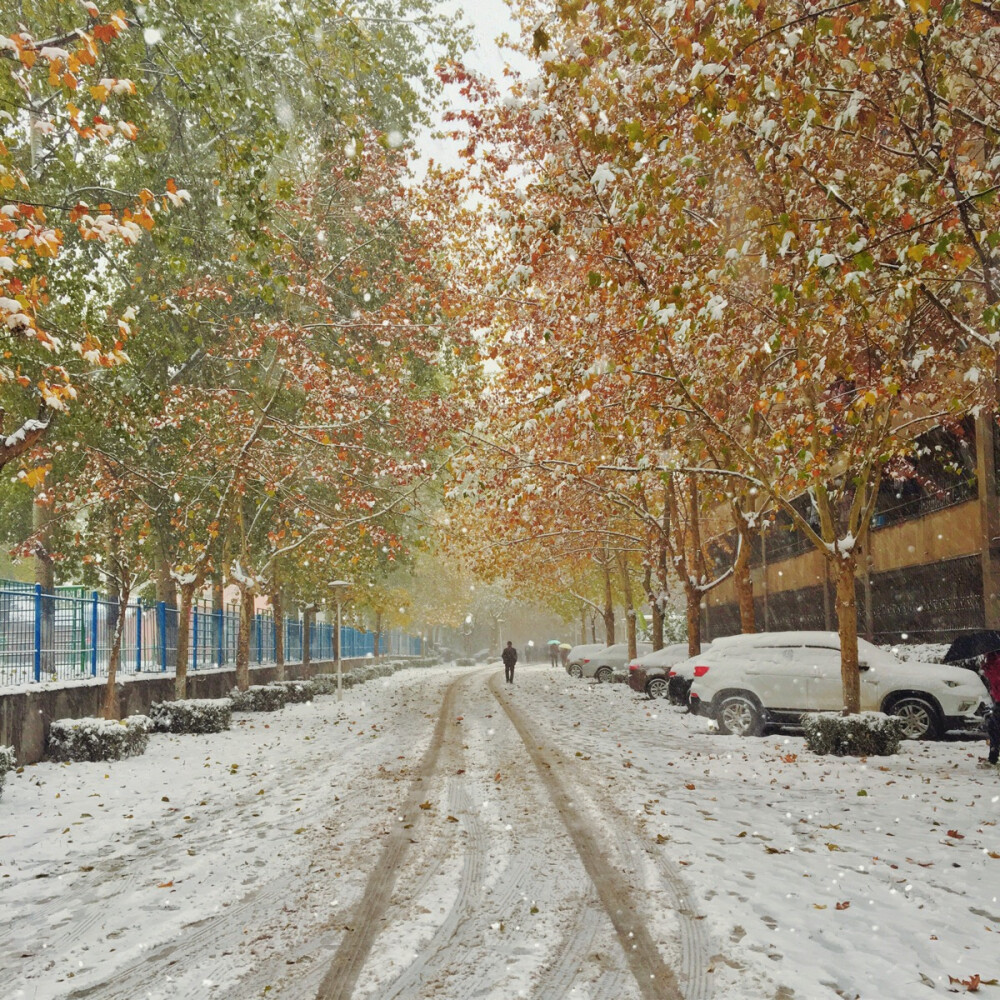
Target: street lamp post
{"points": [[338, 589]]}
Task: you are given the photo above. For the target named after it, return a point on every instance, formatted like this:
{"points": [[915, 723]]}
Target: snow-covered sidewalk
{"points": [[224, 865]]}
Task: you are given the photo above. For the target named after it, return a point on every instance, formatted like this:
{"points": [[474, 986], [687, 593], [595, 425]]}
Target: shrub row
{"points": [[195, 715], [93, 739], [259, 698], [98, 739], [7, 758], [869, 734]]}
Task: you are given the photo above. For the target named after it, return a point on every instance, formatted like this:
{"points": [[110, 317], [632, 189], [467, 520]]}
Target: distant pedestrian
{"points": [[991, 674], [509, 657], [554, 655]]}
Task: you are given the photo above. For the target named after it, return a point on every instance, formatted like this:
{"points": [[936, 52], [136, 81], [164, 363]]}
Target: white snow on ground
{"points": [[229, 865]]}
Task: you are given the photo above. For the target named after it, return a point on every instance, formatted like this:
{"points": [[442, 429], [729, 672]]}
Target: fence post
{"points": [[138, 636], [194, 639], [161, 621], [93, 626], [38, 632]]}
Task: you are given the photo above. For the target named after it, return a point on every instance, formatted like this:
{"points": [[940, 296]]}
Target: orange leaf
{"points": [[956, 835], [165, 885], [845, 905]]}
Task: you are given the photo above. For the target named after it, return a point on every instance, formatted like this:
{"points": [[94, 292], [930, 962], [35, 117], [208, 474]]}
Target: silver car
{"points": [[575, 657], [609, 660]]}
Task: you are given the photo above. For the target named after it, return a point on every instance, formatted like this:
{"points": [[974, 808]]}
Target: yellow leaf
{"points": [[922, 27], [963, 255], [99, 92], [917, 252], [867, 66], [34, 477]]}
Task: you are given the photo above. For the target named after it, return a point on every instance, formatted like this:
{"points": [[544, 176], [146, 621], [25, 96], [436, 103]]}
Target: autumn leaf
{"points": [[971, 984], [165, 885], [844, 905], [956, 835], [425, 805]]}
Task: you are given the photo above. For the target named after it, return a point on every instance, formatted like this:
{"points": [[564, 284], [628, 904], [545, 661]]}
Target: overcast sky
{"points": [[488, 19]]}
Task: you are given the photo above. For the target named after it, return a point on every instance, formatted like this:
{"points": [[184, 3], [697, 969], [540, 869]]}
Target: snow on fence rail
{"points": [[67, 635]]}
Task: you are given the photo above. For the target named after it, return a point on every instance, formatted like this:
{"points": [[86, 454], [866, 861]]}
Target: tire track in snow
{"points": [[437, 951], [655, 979], [347, 963]]}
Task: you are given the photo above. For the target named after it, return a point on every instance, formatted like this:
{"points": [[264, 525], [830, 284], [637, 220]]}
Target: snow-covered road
{"points": [[438, 834]]}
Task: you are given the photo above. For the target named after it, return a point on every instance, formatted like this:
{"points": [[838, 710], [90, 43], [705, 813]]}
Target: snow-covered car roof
{"points": [[666, 656], [829, 640]]}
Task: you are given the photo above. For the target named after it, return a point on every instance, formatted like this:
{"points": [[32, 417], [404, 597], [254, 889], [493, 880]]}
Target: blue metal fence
{"points": [[67, 635]]}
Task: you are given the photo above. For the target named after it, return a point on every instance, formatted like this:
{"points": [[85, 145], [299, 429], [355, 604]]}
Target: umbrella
{"points": [[553, 642], [565, 645], [972, 644]]}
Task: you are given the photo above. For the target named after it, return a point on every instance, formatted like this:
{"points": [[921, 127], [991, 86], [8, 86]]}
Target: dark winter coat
{"points": [[509, 656]]}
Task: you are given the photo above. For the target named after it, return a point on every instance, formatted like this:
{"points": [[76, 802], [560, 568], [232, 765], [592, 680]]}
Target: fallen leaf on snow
{"points": [[165, 885], [425, 805], [956, 835], [971, 984], [845, 905]]}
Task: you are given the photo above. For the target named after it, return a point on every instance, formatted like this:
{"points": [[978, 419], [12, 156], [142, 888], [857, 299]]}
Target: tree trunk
{"points": [[655, 610], [629, 607], [609, 608], [307, 616], [742, 580], [183, 640], [243, 639], [110, 709], [279, 633], [847, 627], [693, 596]]}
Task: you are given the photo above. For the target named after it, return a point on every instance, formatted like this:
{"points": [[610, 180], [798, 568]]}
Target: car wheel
{"points": [[603, 675], [575, 670], [739, 715], [658, 688], [920, 718]]}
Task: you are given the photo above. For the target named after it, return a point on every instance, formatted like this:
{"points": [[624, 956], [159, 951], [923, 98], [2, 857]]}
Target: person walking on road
{"points": [[509, 657]]}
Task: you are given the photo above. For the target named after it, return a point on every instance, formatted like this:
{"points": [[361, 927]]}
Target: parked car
{"points": [[746, 682], [679, 677], [606, 661], [574, 662], [649, 674]]}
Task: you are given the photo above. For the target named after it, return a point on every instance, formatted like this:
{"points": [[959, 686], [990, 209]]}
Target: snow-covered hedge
{"points": [[327, 683], [195, 715], [259, 698], [464, 661], [98, 739], [7, 758], [870, 734], [361, 674], [297, 691]]}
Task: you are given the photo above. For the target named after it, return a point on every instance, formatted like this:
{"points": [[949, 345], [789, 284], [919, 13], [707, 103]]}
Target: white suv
{"points": [[747, 681]]}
